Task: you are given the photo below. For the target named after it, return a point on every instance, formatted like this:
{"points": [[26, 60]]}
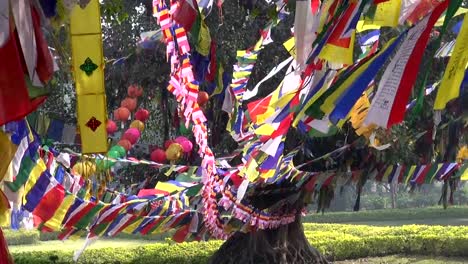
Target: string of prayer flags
{"points": [[389, 104], [88, 72], [454, 73], [360, 80], [339, 46]]}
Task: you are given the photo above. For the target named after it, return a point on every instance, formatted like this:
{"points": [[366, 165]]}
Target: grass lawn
{"points": [[73, 245], [396, 217], [406, 260]]}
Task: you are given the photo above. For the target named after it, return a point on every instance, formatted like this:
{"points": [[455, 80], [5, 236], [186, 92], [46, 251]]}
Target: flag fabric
{"points": [[7, 154], [186, 14], [305, 26], [454, 73], [360, 79], [88, 73], [15, 102], [386, 14], [389, 104]]}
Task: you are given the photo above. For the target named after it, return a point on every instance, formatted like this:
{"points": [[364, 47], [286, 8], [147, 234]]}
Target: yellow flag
{"points": [[55, 222], [361, 26], [204, 39], [8, 150], [464, 176], [337, 54], [453, 76], [34, 175], [460, 11], [290, 46], [386, 14], [88, 72]]}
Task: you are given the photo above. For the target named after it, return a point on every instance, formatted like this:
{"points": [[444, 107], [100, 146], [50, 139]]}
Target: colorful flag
{"points": [[360, 80], [454, 73], [389, 104], [386, 14], [88, 73]]}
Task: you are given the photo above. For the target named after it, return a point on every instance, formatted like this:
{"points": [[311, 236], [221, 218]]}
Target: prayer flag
{"points": [[389, 104], [454, 73]]}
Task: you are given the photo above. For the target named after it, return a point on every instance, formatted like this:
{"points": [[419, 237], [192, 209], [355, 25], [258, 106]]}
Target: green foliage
{"points": [[336, 241], [356, 241], [388, 215], [23, 237], [20, 237]]}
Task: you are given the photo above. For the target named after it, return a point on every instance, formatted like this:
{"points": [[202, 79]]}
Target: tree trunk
{"points": [[284, 245]]}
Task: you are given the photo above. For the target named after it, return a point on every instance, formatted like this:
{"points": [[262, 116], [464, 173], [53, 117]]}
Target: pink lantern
{"points": [[111, 127], [186, 144], [142, 115], [132, 135], [158, 156]]}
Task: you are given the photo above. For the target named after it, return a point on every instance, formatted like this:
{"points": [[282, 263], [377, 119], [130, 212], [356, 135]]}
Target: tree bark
{"points": [[284, 245]]}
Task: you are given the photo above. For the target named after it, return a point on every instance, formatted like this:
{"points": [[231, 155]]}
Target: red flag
{"points": [[212, 67], [186, 14], [14, 97], [4, 252], [45, 64], [49, 203]]}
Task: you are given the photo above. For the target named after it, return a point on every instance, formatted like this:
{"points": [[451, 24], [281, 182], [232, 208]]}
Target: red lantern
{"points": [[139, 91], [125, 143], [168, 143], [129, 103], [111, 127], [203, 98], [142, 115], [158, 156], [122, 114]]}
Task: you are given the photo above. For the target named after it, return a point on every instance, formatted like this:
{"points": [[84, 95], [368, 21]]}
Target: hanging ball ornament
{"points": [[159, 156], [142, 115], [132, 135], [138, 125], [129, 103], [174, 152], [111, 127], [134, 91], [122, 114], [203, 98], [125, 143]]}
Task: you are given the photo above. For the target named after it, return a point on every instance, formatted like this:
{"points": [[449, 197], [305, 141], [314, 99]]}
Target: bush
{"points": [[388, 214], [24, 237], [20, 237], [335, 241]]}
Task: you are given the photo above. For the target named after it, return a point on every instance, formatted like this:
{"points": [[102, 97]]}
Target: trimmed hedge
{"points": [[23, 237], [337, 242], [388, 215], [340, 242]]}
